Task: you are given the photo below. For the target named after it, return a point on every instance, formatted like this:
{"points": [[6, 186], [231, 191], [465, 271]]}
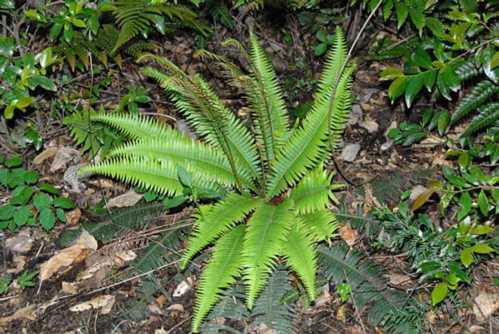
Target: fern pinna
{"points": [[278, 189]]}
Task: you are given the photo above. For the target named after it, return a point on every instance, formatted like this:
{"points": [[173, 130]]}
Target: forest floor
{"points": [[374, 170]]}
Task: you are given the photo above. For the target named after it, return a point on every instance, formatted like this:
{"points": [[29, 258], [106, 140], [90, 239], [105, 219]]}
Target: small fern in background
{"points": [[481, 100], [138, 17], [393, 309], [278, 187]]}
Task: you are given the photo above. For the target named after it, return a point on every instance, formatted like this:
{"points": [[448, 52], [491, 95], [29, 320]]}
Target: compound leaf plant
{"points": [[271, 170]]}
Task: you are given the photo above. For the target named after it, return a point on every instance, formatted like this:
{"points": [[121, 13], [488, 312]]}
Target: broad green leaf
{"points": [[483, 203], [7, 212], [397, 88], [22, 215], [55, 30], [402, 11], [44, 82], [391, 73], [41, 201], [15, 161], [64, 203], [47, 219], [418, 18], [466, 256], [482, 229], [439, 292], [422, 58], [465, 203], [21, 195], [443, 122], [482, 249], [414, 85], [436, 27]]}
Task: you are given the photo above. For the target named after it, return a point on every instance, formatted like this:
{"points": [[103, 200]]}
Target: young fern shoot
{"points": [[278, 189]]}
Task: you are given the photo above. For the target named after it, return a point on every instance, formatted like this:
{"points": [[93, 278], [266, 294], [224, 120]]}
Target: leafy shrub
{"points": [[451, 50], [30, 203], [21, 75], [278, 174]]}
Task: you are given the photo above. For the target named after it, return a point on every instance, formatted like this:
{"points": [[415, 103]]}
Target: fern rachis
{"points": [[265, 216]]}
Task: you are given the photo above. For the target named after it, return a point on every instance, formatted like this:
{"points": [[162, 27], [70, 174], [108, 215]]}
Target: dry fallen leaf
{"points": [[46, 154], [348, 234], [183, 288], [176, 307], [485, 305], [73, 216], [69, 288], [104, 302], [64, 156], [76, 253], [127, 199], [26, 313]]}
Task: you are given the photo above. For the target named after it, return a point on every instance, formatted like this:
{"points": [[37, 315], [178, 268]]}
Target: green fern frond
{"points": [[267, 231], [196, 157], [159, 176], [334, 63], [214, 220], [137, 127], [467, 70], [488, 117], [267, 101], [159, 252], [220, 272], [476, 97], [117, 221], [270, 309], [136, 17], [368, 282], [320, 224], [309, 144], [313, 192], [301, 256], [210, 118]]}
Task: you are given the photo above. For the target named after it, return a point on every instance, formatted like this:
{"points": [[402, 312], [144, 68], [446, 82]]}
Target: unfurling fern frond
{"points": [[476, 97], [266, 234], [214, 220], [135, 17], [220, 272]]}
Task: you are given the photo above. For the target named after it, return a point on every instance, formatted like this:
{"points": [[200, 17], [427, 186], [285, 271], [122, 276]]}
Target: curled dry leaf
{"points": [[104, 302], [73, 216], [76, 253]]}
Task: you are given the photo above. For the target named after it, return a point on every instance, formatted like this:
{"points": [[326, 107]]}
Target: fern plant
{"points": [[135, 17], [278, 189]]}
